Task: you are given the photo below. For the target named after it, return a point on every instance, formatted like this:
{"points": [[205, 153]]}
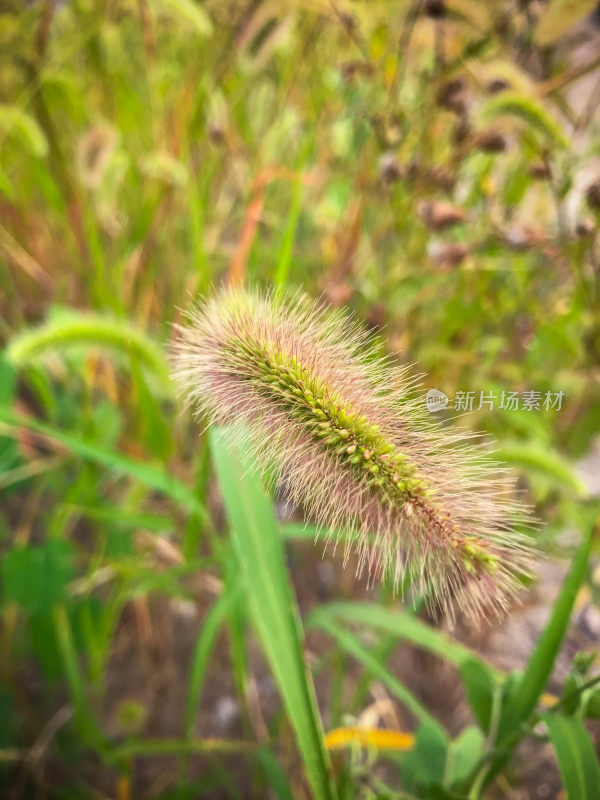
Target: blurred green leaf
{"points": [[540, 665], [573, 692], [482, 690], [152, 419], [154, 477], [464, 754], [202, 651], [68, 328], [9, 455], [575, 754], [591, 706], [541, 459], [35, 578], [277, 778], [85, 718], [522, 693], [425, 765], [404, 626]]}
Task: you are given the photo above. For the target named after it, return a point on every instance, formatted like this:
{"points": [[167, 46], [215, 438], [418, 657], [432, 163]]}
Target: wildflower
{"points": [[352, 447]]}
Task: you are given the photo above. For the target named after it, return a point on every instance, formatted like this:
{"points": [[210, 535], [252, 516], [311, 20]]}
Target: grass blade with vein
{"points": [[257, 542], [575, 755]]}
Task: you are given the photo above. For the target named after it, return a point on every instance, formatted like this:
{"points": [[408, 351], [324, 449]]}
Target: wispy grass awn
{"points": [[353, 448]]}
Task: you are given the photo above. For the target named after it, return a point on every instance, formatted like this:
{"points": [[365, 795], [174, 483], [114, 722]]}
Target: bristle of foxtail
{"points": [[352, 446]]}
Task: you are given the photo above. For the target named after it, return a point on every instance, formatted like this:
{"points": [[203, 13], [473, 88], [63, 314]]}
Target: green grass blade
{"points": [[523, 699], [403, 626], [152, 748], [284, 258], [483, 691], [258, 544], [575, 754], [66, 646], [544, 460], [278, 781], [541, 663], [153, 477], [348, 642], [202, 652]]}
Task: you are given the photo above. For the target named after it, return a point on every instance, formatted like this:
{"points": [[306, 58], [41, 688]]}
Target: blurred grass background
{"points": [[432, 165]]}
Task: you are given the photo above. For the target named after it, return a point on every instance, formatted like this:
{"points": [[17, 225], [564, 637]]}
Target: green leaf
{"points": [[575, 754], [425, 764], [541, 663], [35, 578], [258, 544], [463, 755], [202, 652], [481, 689], [8, 381], [154, 425], [284, 257], [521, 693], [591, 704], [574, 694], [9, 454]]}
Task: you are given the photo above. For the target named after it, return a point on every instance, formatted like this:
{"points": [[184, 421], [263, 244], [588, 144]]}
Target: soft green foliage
{"points": [[152, 605], [576, 757]]}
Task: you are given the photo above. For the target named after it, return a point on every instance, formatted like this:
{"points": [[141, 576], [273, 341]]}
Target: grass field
{"points": [[169, 628]]}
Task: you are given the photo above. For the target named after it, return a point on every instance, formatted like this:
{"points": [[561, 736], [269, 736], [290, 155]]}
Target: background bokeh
{"points": [[433, 166]]}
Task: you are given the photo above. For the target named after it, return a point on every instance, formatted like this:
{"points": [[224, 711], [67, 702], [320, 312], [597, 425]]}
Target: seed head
{"points": [[352, 447]]}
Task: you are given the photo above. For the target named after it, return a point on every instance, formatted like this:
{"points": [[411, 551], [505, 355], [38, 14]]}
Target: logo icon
{"points": [[435, 400]]}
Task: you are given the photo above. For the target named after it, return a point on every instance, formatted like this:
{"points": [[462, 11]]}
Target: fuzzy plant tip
{"points": [[349, 443]]}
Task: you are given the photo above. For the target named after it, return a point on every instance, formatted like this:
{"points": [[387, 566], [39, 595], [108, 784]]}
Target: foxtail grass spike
{"points": [[353, 447]]}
